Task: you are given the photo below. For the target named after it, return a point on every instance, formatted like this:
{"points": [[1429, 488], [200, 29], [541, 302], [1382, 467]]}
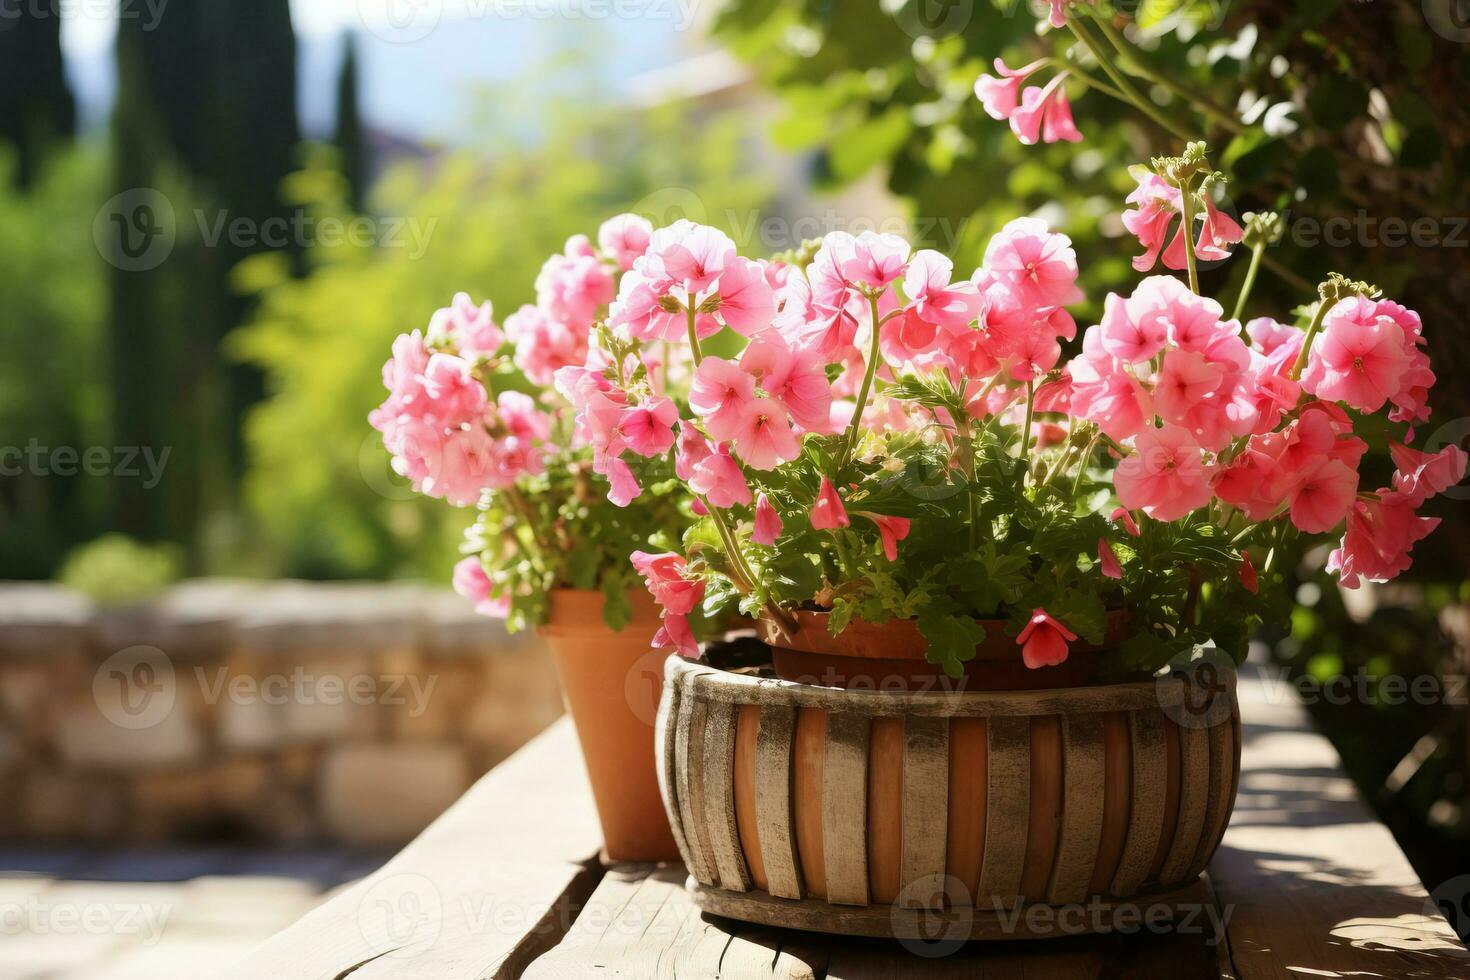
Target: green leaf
{"points": [[952, 638], [617, 606], [1337, 100]]}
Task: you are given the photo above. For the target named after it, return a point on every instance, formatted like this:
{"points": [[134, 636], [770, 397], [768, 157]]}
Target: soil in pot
{"points": [[891, 657], [611, 682]]}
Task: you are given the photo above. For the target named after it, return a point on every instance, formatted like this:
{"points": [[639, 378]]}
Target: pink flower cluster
{"points": [[1157, 205], [439, 423], [677, 595], [1037, 114]]}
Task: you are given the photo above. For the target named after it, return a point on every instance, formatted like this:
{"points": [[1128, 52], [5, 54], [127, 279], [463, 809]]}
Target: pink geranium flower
{"points": [[1380, 535], [545, 344], [891, 530], [828, 512], [1001, 96], [623, 486], [1165, 477], [1157, 203], [452, 395], [648, 428], [471, 582], [1359, 358], [1421, 475], [664, 575], [1123, 519], [1108, 560], [572, 287], [625, 238], [1036, 262], [763, 435], [471, 329], [795, 377], [933, 297], [1044, 641], [767, 522], [1045, 115], [719, 479], [719, 394], [1322, 496], [1248, 578]]}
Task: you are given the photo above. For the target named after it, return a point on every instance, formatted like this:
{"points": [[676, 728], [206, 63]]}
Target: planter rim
{"points": [[900, 639], [575, 611], [729, 687]]}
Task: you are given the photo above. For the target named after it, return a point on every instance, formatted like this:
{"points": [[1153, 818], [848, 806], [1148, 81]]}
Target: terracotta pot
{"points": [[610, 681], [916, 815], [890, 657]]}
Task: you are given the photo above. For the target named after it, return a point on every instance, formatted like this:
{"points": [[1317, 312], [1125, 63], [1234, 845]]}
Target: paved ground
{"points": [[174, 914]]}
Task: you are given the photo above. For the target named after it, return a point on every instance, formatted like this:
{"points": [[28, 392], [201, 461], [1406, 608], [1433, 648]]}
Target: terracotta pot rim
{"points": [[900, 639], [579, 611]]}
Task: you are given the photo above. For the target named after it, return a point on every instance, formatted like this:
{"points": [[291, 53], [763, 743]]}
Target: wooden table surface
{"points": [[506, 885]]}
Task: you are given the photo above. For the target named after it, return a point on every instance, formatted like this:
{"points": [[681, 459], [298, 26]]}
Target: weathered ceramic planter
{"points": [[871, 813], [612, 704], [890, 657]]}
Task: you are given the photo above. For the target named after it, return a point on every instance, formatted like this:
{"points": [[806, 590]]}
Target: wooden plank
{"points": [[1146, 818], [1046, 806], [1221, 738], [965, 843], [809, 754], [526, 833], [689, 748], [844, 799], [885, 809], [665, 727], [1194, 792], [773, 800], [747, 742], [1316, 886], [1117, 790], [719, 797], [1083, 791], [1008, 809], [925, 811]]}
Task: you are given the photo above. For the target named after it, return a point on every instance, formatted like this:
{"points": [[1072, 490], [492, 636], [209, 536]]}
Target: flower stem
{"points": [[1186, 204], [1025, 456], [1063, 64], [1257, 253], [1125, 86], [849, 442], [1324, 306], [694, 335], [1130, 53]]}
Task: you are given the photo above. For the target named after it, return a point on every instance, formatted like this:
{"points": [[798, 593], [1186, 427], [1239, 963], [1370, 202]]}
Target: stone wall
{"points": [[286, 712]]}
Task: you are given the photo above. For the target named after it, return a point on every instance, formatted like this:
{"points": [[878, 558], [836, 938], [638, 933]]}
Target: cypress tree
{"points": [[348, 137], [36, 106]]}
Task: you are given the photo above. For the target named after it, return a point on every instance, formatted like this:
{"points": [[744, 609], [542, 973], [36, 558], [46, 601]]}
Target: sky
{"points": [[424, 63]]}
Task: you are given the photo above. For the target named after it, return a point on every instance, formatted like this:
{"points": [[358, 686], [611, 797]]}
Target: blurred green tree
{"points": [[37, 111]]}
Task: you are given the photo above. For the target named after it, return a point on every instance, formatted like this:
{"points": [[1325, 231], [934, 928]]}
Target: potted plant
{"points": [[901, 476], [474, 417]]}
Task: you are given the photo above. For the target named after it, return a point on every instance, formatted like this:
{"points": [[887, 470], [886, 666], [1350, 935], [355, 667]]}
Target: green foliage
{"points": [[115, 571], [319, 486], [53, 375]]}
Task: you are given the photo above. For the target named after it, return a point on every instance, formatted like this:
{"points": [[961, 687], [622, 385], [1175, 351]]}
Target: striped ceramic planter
{"points": [[873, 813]]}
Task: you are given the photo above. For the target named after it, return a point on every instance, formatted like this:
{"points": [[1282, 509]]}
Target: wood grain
{"points": [[806, 790], [689, 746], [1083, 792], [719, 797], [968, 787], [1194, 790], [775, 818], [664, 735], [1148, 801], [844, 801], [1046, 806], [925, 811], [886, 827], [747, 741], [1008, 809], [1117, 791]]}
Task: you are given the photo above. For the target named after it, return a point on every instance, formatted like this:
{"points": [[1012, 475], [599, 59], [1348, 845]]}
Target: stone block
{"points": [[386, 793]]}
